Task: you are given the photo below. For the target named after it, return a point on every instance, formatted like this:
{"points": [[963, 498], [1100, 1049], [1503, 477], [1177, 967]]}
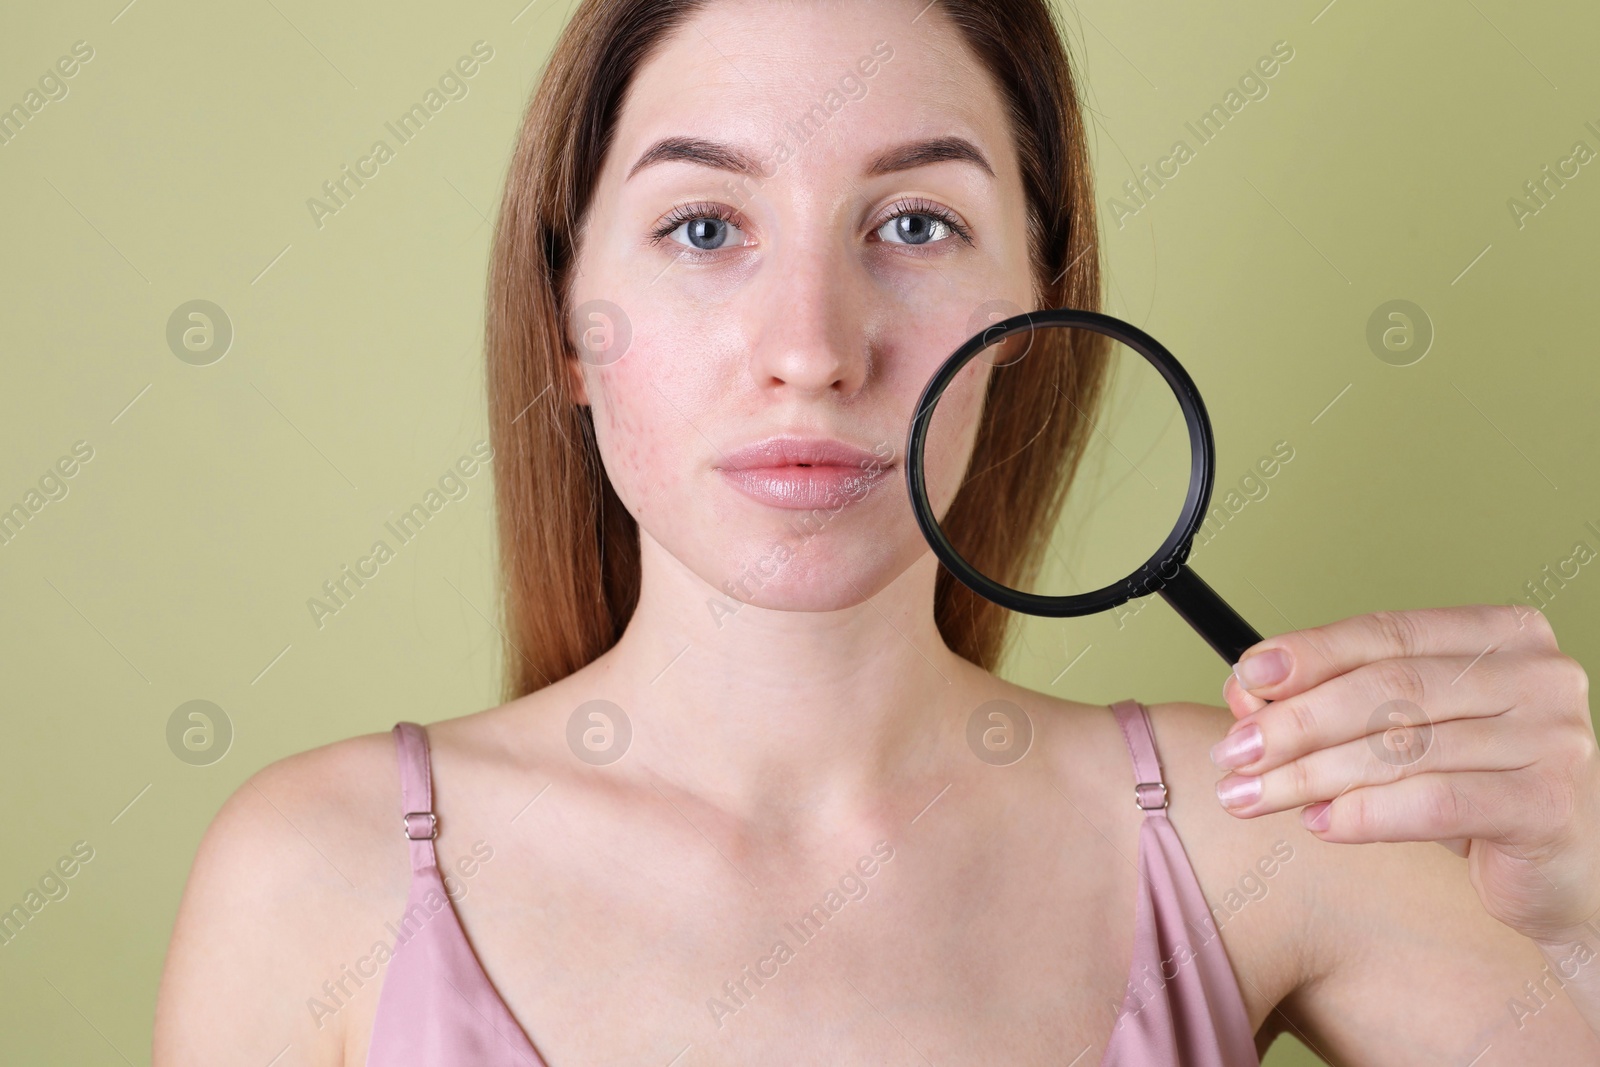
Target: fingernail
{"points": [[1316, 815], [1235, 791], [1263, 668], [1238, 748], [1229, 680]]}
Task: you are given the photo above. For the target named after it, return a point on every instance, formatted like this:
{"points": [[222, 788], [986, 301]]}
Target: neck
{"points": [[784, 715]]}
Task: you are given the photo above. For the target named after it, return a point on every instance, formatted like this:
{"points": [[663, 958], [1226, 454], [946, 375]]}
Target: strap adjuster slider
{"points": [[1138, 796], [433, 825]]}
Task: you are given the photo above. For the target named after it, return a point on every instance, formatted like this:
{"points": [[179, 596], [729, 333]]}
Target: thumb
{"points": [[1240, 701]]}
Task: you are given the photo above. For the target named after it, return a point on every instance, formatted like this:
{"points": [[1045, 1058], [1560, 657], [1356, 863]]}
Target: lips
{"points": [[803, 472]]}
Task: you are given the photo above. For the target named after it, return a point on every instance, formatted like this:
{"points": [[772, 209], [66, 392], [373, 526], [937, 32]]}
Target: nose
{"points": [[810, 333]]}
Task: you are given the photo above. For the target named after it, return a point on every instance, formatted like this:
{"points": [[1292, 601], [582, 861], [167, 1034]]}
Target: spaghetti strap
{"points": [[1149, 791], [437, 1006], [1183, 1005], [416, 794]]}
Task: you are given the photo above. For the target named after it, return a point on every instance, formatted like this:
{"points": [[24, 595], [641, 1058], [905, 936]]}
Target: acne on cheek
{"points": [[620, 443], [639, 455]]}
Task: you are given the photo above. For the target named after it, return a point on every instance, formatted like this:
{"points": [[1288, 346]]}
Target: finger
{"points": [[1239, 700], [1458, 845], [1460, 745], [1486, 805], [1293, 662], [1398, 694]]}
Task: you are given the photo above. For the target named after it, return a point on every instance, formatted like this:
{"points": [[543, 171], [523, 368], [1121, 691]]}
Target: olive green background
{"points": [[220, 497]]}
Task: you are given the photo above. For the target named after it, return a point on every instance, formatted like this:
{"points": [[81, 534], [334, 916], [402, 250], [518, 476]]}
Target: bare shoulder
{"points": [[1221, 847], [1256, 874], [293, 879], [489, 764]]}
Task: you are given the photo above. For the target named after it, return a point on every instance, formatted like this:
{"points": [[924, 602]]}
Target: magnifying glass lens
{"points": [[1100, 463]]}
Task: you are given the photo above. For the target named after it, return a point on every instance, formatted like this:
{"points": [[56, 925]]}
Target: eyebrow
{"points": [[907, 156]]}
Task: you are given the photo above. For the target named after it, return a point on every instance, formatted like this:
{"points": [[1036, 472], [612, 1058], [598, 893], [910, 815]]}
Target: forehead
{"points": [[759, 72]]}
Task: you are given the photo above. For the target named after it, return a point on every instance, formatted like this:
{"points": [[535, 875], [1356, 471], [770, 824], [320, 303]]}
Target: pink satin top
{"points": [[1182, 1006]]}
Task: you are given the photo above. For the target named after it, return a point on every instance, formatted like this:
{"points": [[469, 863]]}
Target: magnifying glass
{"points": [[1118, 479]]}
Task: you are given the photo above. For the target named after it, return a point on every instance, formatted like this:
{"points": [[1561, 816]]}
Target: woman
{"points": [[729, 814]]}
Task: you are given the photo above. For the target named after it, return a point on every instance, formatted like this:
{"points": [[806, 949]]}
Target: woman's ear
{"points": [[580, 391]]}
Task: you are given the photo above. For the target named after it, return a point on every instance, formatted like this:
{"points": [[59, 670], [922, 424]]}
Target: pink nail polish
{"points": [[1263, 668], [1235, 791], [1238, 748]]}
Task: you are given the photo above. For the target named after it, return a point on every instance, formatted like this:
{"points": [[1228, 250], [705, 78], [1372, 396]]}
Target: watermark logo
{"points": [[199, 333], [1399, 332], [999, 732], [990, 313], [199, 733], [1399, 733], [599, 732], [603, 332]]}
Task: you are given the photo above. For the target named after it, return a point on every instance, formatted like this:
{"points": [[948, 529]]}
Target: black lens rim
{"points": [[1166, 563]]}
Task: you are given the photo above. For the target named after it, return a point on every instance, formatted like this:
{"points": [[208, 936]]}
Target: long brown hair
{"points": [[568, 549]]}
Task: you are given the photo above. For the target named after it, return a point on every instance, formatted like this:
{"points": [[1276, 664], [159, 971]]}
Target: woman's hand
{"points": [[1466, 726]]}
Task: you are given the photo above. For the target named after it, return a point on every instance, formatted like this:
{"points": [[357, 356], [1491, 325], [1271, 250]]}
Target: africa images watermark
{"points": [[52, 88], [852, 885], [1540, 191], [52, 886], [1540, 591], [53, 486], [341, 189], [452, 485], [850, 87], [1566, 968], [1250, 888], [1253, 486], [336, 992], [1152, 178]]}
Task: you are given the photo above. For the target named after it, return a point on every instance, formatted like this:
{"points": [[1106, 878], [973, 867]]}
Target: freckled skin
{"points": [[811, 316]]}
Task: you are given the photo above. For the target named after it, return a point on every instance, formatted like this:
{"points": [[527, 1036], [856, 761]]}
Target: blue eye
{"points": [[915, 228], [706, 234], [919, 222], [704, 228]]}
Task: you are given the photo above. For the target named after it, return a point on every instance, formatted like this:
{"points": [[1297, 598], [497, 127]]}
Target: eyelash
{"points": [[918, 206], [690, 212]]}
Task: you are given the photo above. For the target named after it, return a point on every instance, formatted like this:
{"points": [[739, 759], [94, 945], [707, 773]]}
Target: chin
{"points": [[833, 570]]}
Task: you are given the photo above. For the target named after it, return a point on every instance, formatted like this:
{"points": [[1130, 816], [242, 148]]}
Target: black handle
{"points": [[1223, 628]]}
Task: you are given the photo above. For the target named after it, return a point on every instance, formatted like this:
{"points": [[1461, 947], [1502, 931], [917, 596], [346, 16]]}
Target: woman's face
{"points": [[812, 297]]}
